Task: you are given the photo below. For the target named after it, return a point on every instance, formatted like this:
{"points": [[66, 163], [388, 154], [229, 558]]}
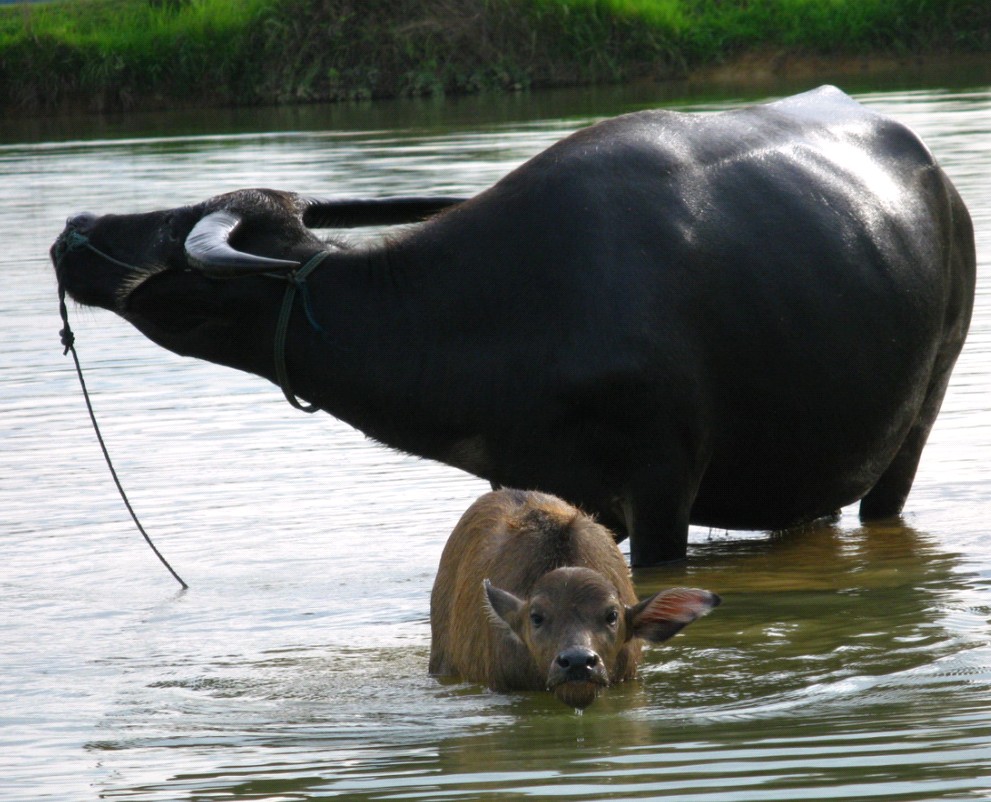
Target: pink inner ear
{"points": [[683, 605]]}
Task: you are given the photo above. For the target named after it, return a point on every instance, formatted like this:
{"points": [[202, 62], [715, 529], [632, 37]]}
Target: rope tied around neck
{"points": [[297, 282]]}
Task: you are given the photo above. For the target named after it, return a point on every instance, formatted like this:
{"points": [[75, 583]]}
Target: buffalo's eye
{"points": [[612, 617], [537, 619]]}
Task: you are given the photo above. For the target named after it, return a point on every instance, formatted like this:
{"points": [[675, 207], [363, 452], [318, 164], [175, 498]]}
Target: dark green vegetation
{"points": [[118, 54]]}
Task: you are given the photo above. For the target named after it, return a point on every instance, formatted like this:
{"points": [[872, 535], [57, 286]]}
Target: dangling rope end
{"points": [[68, 340]]}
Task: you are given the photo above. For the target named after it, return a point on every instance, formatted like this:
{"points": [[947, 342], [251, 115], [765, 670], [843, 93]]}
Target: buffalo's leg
{"points": [[887, 498], [888, 495], [657, 524], [658, 503], [656, 537]]}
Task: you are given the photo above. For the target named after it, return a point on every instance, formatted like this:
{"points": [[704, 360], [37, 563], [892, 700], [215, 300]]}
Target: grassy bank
{"points": [[121, 54]]}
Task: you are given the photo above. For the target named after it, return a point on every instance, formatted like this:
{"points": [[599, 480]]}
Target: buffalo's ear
{"points": [[503, 608], [666, 613]]}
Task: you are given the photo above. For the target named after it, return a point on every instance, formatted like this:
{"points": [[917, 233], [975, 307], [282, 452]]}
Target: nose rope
{"points": [[73, 242]]}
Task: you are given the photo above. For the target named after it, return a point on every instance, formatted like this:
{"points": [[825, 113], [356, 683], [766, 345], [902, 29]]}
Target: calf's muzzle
{"points": [[576, 663]]}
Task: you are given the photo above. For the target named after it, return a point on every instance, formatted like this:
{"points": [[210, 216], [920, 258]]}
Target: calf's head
{"points": [[577, 629]]}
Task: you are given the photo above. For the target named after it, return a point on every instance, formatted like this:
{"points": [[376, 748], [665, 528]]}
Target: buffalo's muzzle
{"points": [[576, 664], [576, 676]]}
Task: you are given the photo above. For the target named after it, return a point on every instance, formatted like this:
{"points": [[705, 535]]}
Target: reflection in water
{"points": [[846, 662], [823, 607]]}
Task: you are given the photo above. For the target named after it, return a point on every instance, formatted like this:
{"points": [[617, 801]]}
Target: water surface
{"points": [[847, 662]]}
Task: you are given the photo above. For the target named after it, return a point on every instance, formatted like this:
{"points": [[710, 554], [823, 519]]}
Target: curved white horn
{"points": [[208, 249]]}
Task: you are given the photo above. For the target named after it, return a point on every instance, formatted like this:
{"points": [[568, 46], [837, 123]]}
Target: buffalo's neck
{"points": [[393, 355]]}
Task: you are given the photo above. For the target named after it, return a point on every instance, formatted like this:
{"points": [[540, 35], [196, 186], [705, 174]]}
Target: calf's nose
{"points": [[577, 662]]}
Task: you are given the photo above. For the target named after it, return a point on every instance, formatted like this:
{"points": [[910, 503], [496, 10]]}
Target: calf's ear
{"points": [[502, 607], [667, 612]]}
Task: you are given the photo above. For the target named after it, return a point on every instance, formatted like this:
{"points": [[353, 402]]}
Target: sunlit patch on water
{"points": [[846, 662]]}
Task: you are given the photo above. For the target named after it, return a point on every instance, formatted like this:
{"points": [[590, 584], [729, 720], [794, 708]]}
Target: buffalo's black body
{"points": [[741, 320]]}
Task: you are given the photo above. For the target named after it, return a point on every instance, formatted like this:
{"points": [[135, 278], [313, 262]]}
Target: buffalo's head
{"points": [[250, 231], [578, 631], [167, 271], [101, 260]]}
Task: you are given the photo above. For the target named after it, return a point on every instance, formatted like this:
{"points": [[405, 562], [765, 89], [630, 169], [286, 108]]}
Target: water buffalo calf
{"points": [[532, 593]]}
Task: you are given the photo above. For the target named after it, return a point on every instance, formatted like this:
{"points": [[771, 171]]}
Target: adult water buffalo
{"points": [[743, 320]]}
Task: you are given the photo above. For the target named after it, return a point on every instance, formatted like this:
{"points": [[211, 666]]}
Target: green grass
{"points": [[712, 29], [110, 23], [110, 54]]}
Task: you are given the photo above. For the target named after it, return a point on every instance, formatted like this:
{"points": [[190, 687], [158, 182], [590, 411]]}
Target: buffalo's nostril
{"points": [[577, 659], [81, 222]]}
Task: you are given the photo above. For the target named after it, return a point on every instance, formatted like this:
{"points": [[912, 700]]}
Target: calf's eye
{"points": [[537, 619], [612, 617]]}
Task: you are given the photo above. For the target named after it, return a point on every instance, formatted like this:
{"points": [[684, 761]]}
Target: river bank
{"points": [[99, 56]]}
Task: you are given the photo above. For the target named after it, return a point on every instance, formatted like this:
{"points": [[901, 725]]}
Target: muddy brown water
{"points": [[847, 662]]}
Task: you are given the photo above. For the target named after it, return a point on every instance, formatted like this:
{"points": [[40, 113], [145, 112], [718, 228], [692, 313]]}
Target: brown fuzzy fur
{"points": [[513, 538]]}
